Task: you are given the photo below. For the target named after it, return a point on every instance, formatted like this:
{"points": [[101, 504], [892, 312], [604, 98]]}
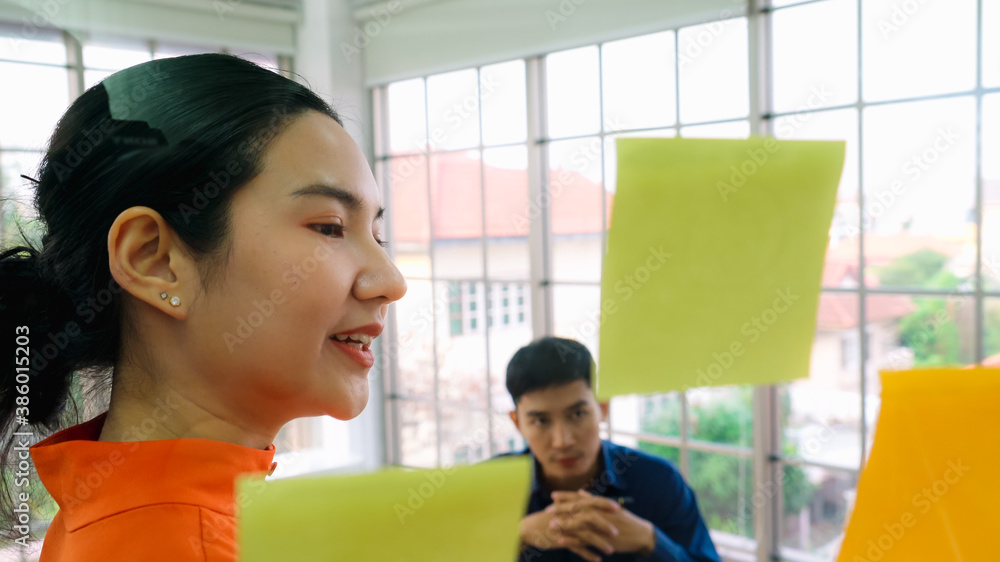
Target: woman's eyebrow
{"points": [[347, 198]]}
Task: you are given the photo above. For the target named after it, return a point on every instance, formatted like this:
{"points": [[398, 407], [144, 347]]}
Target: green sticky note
{"points": [[445, 514], [714, 262]]}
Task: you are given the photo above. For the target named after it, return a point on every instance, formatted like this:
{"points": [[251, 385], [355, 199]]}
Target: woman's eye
{"points": [[334, 230]]}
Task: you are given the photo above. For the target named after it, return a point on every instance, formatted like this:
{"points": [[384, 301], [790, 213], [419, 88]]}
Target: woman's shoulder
{"points": [[153, 533]]}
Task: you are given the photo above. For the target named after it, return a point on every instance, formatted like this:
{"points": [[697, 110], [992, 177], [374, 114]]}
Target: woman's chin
{"points": [[348, 409]]}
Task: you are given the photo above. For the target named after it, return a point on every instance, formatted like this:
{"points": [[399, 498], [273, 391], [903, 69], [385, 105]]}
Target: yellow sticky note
{"points": [[715, 255], [446, 514], [930, 490]]}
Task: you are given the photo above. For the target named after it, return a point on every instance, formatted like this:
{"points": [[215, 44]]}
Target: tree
{"points": [[724, 484], [918, 269]]}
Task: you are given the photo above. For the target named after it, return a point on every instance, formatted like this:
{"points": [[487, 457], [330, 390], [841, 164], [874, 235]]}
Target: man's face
{"points": [[561, 426]]}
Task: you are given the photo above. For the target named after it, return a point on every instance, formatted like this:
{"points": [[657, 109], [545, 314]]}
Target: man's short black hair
{"points": [[547, 362]]}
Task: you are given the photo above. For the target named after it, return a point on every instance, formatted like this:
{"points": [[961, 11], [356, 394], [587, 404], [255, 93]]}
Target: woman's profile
{"points": [[213, 253]]}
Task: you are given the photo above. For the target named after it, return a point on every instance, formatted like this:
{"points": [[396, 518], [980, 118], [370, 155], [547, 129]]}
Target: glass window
{"points": [[31, 101], [815, 50], [917, 48], [573, 92], [639, 84], [713, 63]]}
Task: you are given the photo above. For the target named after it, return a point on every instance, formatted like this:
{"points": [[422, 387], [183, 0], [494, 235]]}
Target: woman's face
{"points": [[306, 269]]}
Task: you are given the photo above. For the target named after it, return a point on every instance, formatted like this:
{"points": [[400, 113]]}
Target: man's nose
{"points": [[563, 437]]}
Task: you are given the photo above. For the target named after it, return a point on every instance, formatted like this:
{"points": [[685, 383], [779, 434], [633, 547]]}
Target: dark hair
{"points": [[547, 362], [199, 127]]}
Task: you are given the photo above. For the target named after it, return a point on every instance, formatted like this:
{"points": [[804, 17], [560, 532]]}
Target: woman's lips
{"points": [[363, 357]]}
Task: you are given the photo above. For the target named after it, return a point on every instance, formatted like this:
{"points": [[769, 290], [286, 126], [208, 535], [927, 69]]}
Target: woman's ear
{"points": [[147, 259]]}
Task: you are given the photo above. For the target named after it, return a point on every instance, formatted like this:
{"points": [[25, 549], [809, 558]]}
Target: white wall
{"points": [[407, 38]]}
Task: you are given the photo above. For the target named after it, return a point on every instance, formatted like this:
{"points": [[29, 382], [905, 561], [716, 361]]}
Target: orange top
{"points": [[165, 500]]}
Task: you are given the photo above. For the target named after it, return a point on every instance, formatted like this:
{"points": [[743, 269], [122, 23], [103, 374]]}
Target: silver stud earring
{"points": [[174, 301]]}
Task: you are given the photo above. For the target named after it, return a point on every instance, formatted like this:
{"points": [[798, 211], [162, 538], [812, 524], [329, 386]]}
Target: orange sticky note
{"points": [[931, 488]]}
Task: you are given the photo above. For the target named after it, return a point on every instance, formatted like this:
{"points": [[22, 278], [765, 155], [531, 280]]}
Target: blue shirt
{"points": [[655, 491]]}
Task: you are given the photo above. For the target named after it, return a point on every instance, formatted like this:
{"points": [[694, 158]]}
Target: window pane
{"points": [[411, 226], [461, 357], [991, 191], [407, 116], [504, 103], [842, 263], [730, 130], [504, 341], [115, 54], [465, 436], [639, 82], [453, 110], [714, 74], [417, 434], [919, 182], [575, 201], [724, 487], [414, 348], [573, 94], [991, 43], [28, 112], [924, 332], [30, 44], [456, 214], [816, 503], [721, 415], [508, 212], [576, 314], [815, 50], [659, 414], [821, 415], [918, 48]]}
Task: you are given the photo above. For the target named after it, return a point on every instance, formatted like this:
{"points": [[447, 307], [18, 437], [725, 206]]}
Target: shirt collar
{"points": [[608, 479], [92, 479]]}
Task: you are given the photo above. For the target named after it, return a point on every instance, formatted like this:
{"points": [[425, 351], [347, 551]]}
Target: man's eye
{"points": [[333, 230], [580, 413]]}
